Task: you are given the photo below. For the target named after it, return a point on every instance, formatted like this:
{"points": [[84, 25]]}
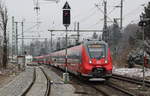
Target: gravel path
{"points": [[58, 88], [18, 85]]}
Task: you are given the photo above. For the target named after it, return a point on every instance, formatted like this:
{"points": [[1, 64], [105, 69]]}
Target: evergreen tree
{"points": [[116, 33], [139, 35], [114, 36], [147, 16]]}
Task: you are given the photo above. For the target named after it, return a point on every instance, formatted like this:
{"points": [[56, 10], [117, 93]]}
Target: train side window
{"points": [[80, 55]]}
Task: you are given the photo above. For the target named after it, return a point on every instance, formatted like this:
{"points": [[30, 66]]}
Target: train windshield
{"points": [[97, 51]]}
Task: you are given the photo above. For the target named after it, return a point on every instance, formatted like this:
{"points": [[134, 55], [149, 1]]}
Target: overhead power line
{"points": [[87, 17], [132, 12], [76, 17], [97, 23], [31, 28], [103, 12]]}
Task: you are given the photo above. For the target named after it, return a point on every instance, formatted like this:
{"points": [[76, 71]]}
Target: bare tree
{"points": [[94, 36], [3, 25]]}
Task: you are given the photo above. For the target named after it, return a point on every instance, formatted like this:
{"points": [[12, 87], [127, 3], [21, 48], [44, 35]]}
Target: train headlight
{"points": [[90, 61], [106, 61]]}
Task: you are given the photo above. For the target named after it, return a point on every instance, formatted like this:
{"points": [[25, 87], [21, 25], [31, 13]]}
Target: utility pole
{"points": [[75, 25], [46, 45], [143, 28], [13, 38], [17, 42], [22, 37], [51, 41], [78, 34], [105, 32], [121, 14], [23, 53]]}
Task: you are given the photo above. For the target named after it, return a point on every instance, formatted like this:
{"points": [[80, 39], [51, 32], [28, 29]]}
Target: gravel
{"points": [[18, 85], [58, 88]]}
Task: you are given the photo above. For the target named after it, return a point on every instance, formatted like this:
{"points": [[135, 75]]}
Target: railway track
{"points": [[128, 93], [102, 88], [47, 93], [40, 85], [110, 89], [29, 87], [106, 88], [131, 80], [104, 93]]}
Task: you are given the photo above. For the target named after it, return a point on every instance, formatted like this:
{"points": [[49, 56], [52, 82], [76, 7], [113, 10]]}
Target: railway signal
{"points": [[66, 23], [66, 15]]}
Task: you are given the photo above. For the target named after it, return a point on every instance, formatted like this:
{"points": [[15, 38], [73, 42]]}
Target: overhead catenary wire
{"points": [[132, 12], [134, 21], [114, 7], [32, 27], [87, 17], [103, 12], [75, 17], [135, 11], [95, 23], [111, 11]]}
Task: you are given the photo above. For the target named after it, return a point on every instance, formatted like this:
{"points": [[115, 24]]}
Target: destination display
{"points": [[95, 46]]}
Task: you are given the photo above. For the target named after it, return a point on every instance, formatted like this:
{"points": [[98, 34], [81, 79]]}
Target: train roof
{"points": [[94, 42], [84, 42]]}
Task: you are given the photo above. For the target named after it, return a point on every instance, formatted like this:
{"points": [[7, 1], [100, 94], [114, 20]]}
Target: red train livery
{"points": [[90, 59]]}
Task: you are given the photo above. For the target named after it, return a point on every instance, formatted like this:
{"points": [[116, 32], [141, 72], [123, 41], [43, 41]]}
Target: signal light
{"points": [[66, 17]]}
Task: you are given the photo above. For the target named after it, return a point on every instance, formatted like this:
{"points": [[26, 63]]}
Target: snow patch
{"points": [[134, 72]]}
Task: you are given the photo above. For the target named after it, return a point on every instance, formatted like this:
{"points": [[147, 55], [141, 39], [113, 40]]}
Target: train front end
{"points": [[96, 60]]}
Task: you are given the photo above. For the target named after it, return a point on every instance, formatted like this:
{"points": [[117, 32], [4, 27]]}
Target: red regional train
{"points": [[91, 59]]}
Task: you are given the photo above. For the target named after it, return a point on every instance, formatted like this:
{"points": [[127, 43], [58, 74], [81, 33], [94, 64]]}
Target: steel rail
{"points": [[104, 93], [112, 85], [99, 90], [47, 93], [30, 86], [131, 80]]}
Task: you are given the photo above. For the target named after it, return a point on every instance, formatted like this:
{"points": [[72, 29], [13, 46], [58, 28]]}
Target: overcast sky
{"points": [[84, 11]]}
